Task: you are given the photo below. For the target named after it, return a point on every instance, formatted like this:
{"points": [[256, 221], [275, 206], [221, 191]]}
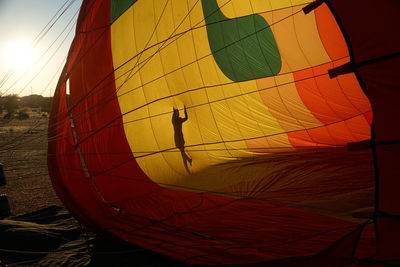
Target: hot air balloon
{"points": [[223, 132]]}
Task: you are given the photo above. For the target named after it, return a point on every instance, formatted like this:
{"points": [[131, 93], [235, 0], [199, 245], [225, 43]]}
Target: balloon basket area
{"points": [[4, 206]]}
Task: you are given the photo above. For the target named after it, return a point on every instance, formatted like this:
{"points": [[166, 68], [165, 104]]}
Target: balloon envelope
{"points": [[211, 131]]}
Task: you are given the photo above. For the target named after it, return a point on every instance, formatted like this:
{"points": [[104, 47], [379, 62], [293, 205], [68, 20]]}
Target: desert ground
{"points": [[23, 148]]}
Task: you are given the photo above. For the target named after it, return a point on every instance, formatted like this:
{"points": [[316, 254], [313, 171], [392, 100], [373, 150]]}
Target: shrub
{"points": [[11, 103], [7, 116], [23, 115]]}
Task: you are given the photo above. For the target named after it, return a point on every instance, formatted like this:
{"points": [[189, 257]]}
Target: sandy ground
{"points": [[51, 237], [23, 148]]}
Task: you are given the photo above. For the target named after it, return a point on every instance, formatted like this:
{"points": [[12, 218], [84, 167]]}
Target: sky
{"points": [[29, 65]]}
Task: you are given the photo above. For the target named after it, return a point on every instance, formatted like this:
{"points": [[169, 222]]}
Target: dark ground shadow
{"points": [[52, 237]]}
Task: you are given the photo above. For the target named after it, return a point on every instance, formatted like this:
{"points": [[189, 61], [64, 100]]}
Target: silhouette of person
{"points": [[178, 136]]}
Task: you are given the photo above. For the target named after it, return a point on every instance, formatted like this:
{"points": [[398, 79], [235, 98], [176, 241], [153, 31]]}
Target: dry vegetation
{"points": [[23, 148]]}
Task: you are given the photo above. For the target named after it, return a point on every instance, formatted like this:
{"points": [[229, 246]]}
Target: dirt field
{"points": [[23, 148]]}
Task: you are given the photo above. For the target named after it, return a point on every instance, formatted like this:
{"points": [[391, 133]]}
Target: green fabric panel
{"points": [[244, 48], [117, 7]]}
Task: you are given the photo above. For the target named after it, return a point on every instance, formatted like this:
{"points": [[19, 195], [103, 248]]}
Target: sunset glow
{"points": [[18, 55]]}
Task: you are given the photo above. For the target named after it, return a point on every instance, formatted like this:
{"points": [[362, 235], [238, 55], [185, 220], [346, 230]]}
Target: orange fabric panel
{"points": [[340, 133], [360, 127], [327, 98], [353, 91], [312, 97], [332, 101], [313, 137], [329, 101], [336, 48], [301, 139], [330, 33]]}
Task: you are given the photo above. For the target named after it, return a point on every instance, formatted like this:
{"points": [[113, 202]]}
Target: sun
{"points": [[18, 55]]}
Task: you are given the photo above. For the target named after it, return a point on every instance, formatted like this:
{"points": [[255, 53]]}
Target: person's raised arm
{"points": [[186, 116]]}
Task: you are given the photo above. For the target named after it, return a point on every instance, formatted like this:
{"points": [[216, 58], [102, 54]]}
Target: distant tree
{"points": [[32, 101], [2, 104], [45, 105], [11, 103]]}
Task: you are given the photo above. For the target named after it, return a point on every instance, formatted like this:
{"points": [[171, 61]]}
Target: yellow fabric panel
{"points": [[210, 78], [274, 143], [267, 123], [221, 175], [225, 120], [257, 109], [221, 117], [199, 33], [162, 11], [122, 25], [233, 9], [124, 32], [240, 8]]}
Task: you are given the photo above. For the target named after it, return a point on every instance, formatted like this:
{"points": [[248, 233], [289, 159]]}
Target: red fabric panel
{"points": [[367, 244], [383, 87], [371, 26], [388, 159], [338, 254], [100, 109], [65, 171], [389, 236], [378, 263], [372, 30]]}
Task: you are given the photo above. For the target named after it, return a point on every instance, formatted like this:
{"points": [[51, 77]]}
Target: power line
{"points": [[41, 35], [107, 99], [42, 56]]}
